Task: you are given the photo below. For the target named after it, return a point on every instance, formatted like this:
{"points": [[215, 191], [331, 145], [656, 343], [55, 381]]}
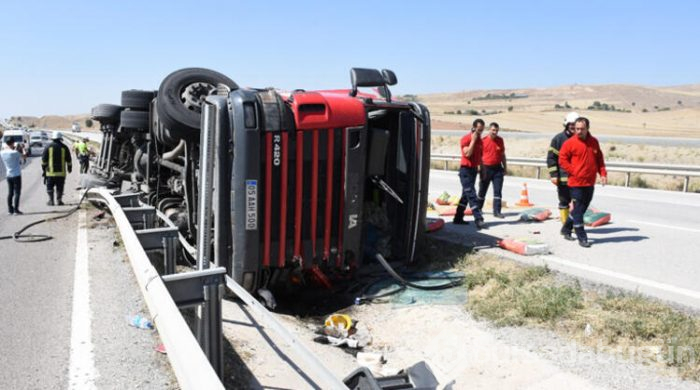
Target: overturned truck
{"points": [[306, 184]]}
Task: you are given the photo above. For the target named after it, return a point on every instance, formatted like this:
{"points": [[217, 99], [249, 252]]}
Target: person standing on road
{"points": [[493, 169], [471, 150], [12, 159], [56, 164], [582, 159], [83, 154], [557, 175]]}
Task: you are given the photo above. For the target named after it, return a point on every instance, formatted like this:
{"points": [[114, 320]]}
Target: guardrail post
{"points": [[686, 183], [627, 178], [205, 289], [537, 175], [169, 255], [446, 164]]}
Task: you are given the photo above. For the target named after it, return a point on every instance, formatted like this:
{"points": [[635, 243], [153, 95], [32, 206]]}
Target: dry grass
{"points": [[509, 294]]}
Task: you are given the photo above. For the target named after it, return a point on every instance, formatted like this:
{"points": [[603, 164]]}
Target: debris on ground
{"points": [[339, 330], [418, 376], [160, 348], [537, 214], [139, 321], [594, 217], [524, 246]]}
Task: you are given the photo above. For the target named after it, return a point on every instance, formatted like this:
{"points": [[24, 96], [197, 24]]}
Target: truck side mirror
{"points": [[363, 77]]}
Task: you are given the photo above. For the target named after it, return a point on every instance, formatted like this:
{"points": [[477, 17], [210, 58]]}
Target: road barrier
{"points": [[196, 361], [189, 362], [685, 171]]}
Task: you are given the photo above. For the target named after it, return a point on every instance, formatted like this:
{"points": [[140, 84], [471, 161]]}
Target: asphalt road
{"points": [[650, 246], [40, 329]]}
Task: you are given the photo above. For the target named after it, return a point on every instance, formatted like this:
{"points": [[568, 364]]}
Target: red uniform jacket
{"points": [[475, 159], [582, 160], [493, 150]]}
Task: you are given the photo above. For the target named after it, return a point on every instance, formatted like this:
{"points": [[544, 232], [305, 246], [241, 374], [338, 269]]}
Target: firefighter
{"points": [[471, 149], [56, 164], [582, 159], [493, 169], [557, 175]]}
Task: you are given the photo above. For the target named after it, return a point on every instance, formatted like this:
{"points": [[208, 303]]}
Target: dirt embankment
{"points": [[52, 122]]}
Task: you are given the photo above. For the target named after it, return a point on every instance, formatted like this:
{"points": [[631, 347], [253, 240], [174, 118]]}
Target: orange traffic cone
{"points": [[524, 200]]}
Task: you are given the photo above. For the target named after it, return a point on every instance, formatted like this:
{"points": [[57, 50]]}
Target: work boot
{"points": [[582, 237], [564, 215], [60, 202], [567, 228], [480, 224], [459, 216], [497, 209], [50, 202]]}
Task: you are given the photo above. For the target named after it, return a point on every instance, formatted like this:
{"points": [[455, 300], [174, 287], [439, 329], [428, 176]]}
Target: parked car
{"points": [[75, 127], [308, 184], [37, 141]]}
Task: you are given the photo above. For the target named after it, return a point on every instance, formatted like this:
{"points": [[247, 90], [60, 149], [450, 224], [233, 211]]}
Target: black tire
{"points": [[136, 99], [136, 120], [180, 97], [106, 113]]}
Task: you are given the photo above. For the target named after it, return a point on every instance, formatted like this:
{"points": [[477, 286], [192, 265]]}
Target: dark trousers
{"points": [[564, 194], [14, 190], [582, 197], [84, 163], [56, 182], [467, 176], [495, 174]]}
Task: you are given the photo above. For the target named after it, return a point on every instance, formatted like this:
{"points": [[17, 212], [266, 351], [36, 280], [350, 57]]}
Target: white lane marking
{"points": [[82, 372], [633, 279], [665, 226]]}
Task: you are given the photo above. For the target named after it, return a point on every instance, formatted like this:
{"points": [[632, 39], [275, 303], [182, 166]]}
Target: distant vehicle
{"points": [[76, 127], [21, 139], [37, 141]]}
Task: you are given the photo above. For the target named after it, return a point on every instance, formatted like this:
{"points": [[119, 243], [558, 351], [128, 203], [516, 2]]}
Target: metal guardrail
{"points": [[190, 364], [685, 171]]}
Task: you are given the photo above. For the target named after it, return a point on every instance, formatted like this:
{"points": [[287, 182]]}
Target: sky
{"points": [[64, 57]]}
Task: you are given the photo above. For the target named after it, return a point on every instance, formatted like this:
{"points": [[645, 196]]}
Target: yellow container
{"points": [[339, 320]]}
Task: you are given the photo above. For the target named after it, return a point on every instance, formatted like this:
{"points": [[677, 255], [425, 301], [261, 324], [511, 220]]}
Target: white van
{"points": [[21, 140]]}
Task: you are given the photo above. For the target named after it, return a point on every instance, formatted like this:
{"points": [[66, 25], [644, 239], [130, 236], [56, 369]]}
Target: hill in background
{"points": [[612, 109]]}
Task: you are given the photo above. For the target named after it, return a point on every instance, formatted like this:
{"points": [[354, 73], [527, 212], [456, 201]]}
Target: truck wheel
{"points": [[106, 113], [136, 120], [180, 99], [137, 100]]}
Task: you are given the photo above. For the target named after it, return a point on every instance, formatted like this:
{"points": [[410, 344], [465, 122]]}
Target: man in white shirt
{"points": [[12, 160]]}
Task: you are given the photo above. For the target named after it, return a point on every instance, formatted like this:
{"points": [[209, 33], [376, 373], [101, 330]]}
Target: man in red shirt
{"points": [[582, 159], [470, 148], [493, 168]]}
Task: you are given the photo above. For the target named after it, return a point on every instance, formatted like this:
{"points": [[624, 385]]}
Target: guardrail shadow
{"points": [[238, 365]]}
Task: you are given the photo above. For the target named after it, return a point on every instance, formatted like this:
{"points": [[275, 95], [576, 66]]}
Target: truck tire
{"points": [[180, 99], [136, 99], [136, 120], [106, 113]]}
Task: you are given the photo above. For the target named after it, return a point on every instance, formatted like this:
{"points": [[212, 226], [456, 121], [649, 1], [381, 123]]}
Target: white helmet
{"points": [[57, 135], [570, 118]]}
